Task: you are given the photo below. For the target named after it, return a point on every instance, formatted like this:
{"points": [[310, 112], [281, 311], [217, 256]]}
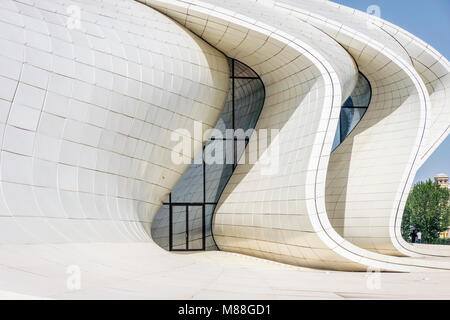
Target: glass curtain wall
{"points": [[353, 110], [184, 221]]}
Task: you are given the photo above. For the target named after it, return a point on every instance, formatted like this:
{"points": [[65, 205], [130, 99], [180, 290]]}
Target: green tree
{"points": [[406, 224], [427, 210]]}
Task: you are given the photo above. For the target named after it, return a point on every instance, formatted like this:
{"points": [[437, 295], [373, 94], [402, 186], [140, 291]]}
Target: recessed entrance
{"points": [[186, 227], [184, 221]]}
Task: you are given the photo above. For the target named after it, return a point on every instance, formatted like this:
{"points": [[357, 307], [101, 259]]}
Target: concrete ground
{"points": [[144, 271]]}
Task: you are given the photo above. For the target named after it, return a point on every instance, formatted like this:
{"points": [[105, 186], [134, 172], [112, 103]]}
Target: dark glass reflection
{"points": [[195, 227], [350, 117], [184, 222], [360, 96], [248, 94], [160, 227], [217, 174], [240, 70], [189, 188], [226, 117], [353, 110]]}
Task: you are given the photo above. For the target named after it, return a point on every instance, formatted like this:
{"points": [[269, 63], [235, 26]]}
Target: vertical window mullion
{"points": [[187, 227], [204, 200], [232, 93], [203, 227], [170, 223]]}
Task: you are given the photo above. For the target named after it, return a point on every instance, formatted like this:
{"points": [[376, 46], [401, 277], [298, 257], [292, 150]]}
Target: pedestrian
{"points": [[419, 237], [413, 236]]}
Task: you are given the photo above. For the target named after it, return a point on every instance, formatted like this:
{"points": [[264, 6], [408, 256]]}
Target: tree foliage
{"points": [[427, 210]]}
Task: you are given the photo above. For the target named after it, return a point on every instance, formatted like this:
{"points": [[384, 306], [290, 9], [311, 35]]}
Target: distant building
{"points": [[442, 179]]}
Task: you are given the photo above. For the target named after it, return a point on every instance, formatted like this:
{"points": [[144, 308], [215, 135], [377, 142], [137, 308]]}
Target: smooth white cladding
{"points": [[90, 92], [308, 54]]}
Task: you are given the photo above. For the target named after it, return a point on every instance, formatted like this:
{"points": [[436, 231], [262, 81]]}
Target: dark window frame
{"points": [[235, 140], [341, 138]]}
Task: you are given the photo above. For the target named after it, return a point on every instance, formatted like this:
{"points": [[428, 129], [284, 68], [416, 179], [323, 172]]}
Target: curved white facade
{"points": [[339, 210], [91, 93], [88, 108]]}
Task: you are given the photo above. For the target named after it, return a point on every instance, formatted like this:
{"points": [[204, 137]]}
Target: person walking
{"points": [[419, 237], [413, 236]]}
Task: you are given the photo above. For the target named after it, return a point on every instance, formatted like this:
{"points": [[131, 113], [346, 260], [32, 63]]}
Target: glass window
{"points": [[202, 184], [226, 117], [362, 93], [195, 223], [190, 186], [218, 173], [210, 244], [350, 117], [179, 232], [337, 136], [353, 110], [241, 70], [249, 99], [160, 227]]}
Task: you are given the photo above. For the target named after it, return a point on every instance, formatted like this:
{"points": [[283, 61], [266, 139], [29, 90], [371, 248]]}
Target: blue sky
{"points": [[430, 21]]}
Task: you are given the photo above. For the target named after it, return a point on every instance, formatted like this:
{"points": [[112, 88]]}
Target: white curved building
{"points": [[96, 95]]}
